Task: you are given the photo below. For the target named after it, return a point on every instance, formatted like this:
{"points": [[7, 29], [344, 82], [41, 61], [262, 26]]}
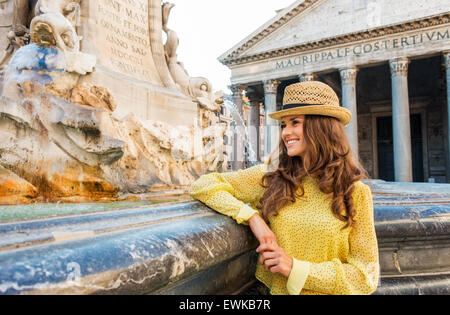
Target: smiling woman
{"points": [[309, 209], [292, 135]]}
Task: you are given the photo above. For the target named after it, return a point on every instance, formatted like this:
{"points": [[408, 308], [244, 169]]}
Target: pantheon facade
{"points": [[389, 63]]}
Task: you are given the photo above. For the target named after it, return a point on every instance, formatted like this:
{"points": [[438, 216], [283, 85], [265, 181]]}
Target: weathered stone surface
{"points": [[136, 251], [437, 284], [186, 248], [94, 96], [413, 230], [77, 184], [14, 190]]}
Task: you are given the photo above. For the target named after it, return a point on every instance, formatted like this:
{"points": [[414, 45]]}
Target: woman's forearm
{"points": [[261, 230]]}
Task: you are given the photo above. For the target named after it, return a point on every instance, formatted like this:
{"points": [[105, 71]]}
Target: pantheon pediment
{"points": [[308, 21]]}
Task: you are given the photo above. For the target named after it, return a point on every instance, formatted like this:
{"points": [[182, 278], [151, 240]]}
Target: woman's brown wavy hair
{"points": [[328, 158]]}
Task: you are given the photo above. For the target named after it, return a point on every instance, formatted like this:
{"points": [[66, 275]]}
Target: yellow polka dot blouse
{"points": [[326, 259]]}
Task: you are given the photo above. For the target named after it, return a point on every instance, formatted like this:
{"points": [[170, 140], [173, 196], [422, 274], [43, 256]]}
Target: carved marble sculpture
{"points": [[18, 36], [69, 8], [54, 25], [61, 140], [196, 87]]}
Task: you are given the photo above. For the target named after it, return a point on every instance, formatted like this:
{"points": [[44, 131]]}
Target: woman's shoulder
{"points": [[361, 189], [362, 200], [360, 184], [256, 169]]}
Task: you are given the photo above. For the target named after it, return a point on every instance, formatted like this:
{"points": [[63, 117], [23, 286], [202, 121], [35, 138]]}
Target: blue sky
{"points": [[208, 28]]}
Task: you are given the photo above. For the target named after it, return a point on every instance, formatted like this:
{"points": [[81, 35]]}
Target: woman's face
{"points": [[292, 134]]}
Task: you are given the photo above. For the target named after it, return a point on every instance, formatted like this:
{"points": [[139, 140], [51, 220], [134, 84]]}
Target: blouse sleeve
{"points": [[229, 193], [360, 273]]}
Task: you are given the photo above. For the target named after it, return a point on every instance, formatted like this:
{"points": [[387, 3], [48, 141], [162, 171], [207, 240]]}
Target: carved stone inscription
{"points": [[122, 37], [411, 41]]}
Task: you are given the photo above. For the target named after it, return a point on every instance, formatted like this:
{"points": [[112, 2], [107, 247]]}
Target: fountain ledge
{"points": [[186, 248]]}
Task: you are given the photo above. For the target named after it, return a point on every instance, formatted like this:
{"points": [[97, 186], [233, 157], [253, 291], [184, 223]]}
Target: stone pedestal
{"points": [[401, 120], [117, 33], [348, 79]]}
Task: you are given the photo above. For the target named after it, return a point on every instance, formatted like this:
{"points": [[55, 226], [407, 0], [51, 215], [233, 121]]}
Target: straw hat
{"points": [[311, 98]]}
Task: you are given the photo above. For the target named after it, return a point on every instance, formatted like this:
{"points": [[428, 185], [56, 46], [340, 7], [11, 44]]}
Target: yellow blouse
{"points": [[326, 259]]}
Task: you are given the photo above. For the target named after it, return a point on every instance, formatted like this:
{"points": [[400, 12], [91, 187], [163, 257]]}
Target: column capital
{"points": [[237, 89], [446, 55], [271, 86], [348, 75], [399, 66], [305, 77]]}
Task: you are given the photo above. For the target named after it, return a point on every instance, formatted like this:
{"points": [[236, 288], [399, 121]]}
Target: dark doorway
{"points": [[386, 148]]}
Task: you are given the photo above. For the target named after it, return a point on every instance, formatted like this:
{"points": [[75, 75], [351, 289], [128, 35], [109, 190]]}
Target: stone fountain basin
{"points": [[186, 248]]}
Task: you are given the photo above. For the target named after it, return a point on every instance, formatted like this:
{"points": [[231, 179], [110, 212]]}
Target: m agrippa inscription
{"points": [[122, 40], [383, 45], [345, 51]]}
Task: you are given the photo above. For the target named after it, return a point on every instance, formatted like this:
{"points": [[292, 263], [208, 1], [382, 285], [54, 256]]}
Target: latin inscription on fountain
{"points": [[122, 37]]}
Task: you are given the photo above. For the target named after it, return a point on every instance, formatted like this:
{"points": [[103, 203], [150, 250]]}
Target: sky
{"points": [[209, 28]]}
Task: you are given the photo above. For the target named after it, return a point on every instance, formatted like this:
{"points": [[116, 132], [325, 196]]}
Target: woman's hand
{"points": [[261, 230], [275, 259], [272, 256]]}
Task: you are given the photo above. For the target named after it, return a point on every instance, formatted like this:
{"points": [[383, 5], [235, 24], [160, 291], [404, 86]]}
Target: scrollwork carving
{"points": [[304, 77], [399, 66], [237, 89], [348, 75], [271, 86]]}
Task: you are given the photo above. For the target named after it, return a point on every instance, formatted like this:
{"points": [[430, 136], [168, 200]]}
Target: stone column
{"points": [[348, 79], [271, 134], [304, 77], [401, 120], [254, 134], [239, 136], [447, 70]]}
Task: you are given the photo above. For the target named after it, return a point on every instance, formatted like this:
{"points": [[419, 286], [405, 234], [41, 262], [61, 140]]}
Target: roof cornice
{"points": [[434, 20]]}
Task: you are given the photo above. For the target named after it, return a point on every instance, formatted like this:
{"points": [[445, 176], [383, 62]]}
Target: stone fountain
{"points": [[95, 106]]}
